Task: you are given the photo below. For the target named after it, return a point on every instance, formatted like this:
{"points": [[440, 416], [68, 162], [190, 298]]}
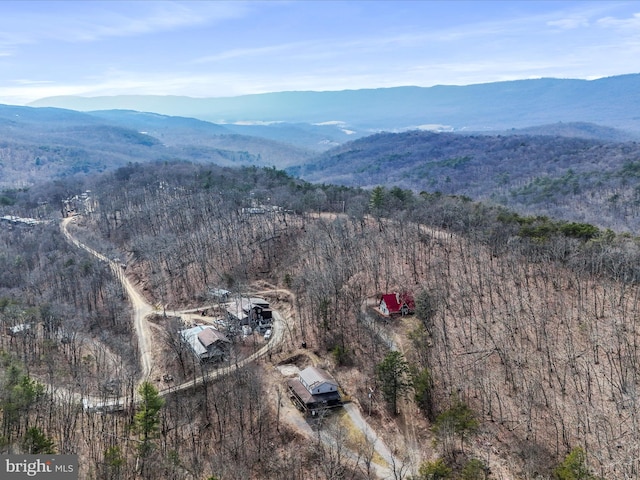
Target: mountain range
{"points": [[611, 101]]}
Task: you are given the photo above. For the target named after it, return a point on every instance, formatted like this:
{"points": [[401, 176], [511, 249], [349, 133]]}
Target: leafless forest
{"points": [[528, 323]]}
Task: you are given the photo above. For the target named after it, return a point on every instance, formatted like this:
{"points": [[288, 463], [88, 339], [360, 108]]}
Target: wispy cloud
{"points": [[248, 52], [631, 23], [215, 48], [155, 17], [569, 23], [27, 82], [79, 21]]}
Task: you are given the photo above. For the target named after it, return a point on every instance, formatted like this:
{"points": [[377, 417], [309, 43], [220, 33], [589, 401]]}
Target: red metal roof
{"points": [[394, 301]]}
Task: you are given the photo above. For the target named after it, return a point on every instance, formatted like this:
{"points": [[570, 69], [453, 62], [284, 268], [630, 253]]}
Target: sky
{"points": [[221, 49]]}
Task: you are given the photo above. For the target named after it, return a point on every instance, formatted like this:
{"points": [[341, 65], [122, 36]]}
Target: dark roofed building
{"points": [[209, 336], [206, 342]]}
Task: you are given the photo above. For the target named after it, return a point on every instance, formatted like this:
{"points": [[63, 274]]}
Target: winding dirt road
{"points": [[141, 310]]}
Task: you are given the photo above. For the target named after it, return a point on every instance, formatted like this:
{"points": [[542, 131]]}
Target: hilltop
{"points": [[523, 324]]}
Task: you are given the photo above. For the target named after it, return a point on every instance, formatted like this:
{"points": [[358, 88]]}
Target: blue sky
{"points": [[214, 49]]}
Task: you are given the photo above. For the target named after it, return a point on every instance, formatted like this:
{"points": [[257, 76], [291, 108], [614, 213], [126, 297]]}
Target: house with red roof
{"points": [[397, 303]]}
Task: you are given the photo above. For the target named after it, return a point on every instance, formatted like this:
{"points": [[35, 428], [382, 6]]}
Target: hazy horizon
{"points": [[227, 49]]}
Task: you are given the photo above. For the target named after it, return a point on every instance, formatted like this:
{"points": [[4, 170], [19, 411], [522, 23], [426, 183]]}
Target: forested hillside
{"points": [[38, 144], [576, 179], [520, 361]]}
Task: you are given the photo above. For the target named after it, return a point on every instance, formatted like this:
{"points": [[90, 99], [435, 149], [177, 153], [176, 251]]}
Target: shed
{"points": [[219, 294]]}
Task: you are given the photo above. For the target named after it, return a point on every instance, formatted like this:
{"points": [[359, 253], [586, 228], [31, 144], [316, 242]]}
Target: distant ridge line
{"points": [[609, 101]]}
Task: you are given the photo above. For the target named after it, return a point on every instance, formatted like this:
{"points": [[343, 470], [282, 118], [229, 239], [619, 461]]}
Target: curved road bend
{"points": [[141, 309]]}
